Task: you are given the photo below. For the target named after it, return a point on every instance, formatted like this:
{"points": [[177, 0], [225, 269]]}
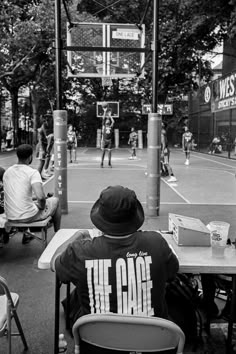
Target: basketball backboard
{"points": [[109, 104], [91, 50]]}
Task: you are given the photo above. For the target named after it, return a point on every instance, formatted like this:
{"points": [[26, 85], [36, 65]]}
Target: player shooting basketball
{"points": [[107, 115], [107, 132]]}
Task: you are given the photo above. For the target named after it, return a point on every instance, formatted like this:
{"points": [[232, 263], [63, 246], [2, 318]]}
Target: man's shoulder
{"points": [[151, 236], [11, 169]]}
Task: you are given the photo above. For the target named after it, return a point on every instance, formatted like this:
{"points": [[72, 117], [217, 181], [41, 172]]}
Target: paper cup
{"points": [[219, 236]]}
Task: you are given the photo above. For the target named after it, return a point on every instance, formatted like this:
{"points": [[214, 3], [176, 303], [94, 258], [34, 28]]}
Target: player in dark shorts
{"points": [[133, 137], [165, 157], [71, 142], [45, 145], [187, 143], [106, 142]]}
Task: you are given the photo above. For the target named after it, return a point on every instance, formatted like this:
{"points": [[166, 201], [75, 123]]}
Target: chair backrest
{"points": [[128, 333], [8, 305], [5, 288]]}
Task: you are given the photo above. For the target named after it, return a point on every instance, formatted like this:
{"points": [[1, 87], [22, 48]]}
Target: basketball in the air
{"points": [[104, 105]]}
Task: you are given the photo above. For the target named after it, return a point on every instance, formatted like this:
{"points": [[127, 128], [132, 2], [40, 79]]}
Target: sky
{"points": [[216, 58]]}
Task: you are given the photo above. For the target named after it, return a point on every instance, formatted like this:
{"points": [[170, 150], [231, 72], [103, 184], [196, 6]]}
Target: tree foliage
{"points": [[188, 29]]}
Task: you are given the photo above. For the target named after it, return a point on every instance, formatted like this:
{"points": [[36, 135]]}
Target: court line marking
{"points": [[162, 203], [178, 193], [135, 168], [217, 162], [7, 157]]}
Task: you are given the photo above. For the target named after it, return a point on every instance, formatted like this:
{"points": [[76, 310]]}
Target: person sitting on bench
{"points": [[25, 200]]}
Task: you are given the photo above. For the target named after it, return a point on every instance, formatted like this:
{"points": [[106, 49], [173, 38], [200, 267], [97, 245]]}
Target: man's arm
{"points": [[50, 138], [163, 142], [79, 235], [102, 132], [39, 195], [75, 139], [112, 121]]}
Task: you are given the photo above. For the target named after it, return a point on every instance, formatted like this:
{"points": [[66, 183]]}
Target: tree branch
{"points": [[17, 65]]}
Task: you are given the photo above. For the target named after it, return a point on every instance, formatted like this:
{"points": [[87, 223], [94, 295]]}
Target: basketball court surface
{"points": [[206, 189]]}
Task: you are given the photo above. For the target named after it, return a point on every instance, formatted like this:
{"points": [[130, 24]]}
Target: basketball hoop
{"points": [[106, 81]]}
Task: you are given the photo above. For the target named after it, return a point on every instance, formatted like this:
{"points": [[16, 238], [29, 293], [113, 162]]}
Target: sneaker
{"points": [[101, 165], [186, 162], [49, 195], [27, 238], [131, 158], [109, 165], [46, 175], [172, 179]]}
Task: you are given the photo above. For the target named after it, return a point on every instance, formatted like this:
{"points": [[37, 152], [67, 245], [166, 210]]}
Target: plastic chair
{"points": [[8, 305], [127, 333]]}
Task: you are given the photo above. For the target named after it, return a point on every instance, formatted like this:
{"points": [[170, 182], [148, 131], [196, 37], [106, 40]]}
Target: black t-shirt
{"points": [[124, 275], [1, 200]]}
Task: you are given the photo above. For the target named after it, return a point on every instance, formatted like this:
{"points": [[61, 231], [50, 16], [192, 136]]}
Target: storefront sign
{"points": [[224, 93]]}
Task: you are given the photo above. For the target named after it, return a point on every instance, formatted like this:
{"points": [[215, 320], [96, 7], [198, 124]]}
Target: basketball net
{"points": [[106, 81]]}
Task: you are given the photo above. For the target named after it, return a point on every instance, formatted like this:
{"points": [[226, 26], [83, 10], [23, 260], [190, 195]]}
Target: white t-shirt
{"points": [[17, 182]]}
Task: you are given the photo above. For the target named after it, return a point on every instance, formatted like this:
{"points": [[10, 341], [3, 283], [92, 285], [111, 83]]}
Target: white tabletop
{"points": [[191, 259], [60, 237], [200, 259]]}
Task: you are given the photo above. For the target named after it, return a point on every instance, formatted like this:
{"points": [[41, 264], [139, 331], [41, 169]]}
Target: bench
{"points": [[42, 225]]}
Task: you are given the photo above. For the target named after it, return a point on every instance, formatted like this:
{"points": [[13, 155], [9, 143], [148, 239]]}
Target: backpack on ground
{"points": [[182, 298]]}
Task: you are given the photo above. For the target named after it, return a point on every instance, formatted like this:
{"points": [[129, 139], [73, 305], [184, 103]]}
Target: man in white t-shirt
{"points": [[20, 183]]}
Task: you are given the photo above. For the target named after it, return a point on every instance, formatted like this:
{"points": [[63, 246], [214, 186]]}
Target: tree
{"points": [[24, 44]]}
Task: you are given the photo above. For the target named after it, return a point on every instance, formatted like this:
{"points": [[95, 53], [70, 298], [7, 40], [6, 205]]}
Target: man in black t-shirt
{"points": [[123, 270]]}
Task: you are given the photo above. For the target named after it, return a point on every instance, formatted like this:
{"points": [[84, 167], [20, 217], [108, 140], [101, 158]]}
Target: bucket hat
{"points": [[117, 212]]}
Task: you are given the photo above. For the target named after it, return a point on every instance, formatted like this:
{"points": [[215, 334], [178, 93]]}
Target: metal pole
{"points": [[60, 122], [58, 53], [154, 128], [155, 54]]}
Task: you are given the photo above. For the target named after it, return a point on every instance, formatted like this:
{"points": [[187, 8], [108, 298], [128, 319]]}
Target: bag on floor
{"points": [[182, 298]]}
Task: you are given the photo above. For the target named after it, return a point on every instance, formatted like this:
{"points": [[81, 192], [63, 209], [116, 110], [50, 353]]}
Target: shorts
{"points": [[187, 147], [134, 144], [106, 144], [40, 152], [49, 210], [70, 146]]}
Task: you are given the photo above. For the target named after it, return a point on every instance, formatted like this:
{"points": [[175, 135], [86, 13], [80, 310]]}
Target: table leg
{"points": [[68, 306], [57, 312], [232, 316]]}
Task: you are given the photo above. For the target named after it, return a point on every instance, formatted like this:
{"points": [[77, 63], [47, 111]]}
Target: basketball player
{"points": [[107, 132]]}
